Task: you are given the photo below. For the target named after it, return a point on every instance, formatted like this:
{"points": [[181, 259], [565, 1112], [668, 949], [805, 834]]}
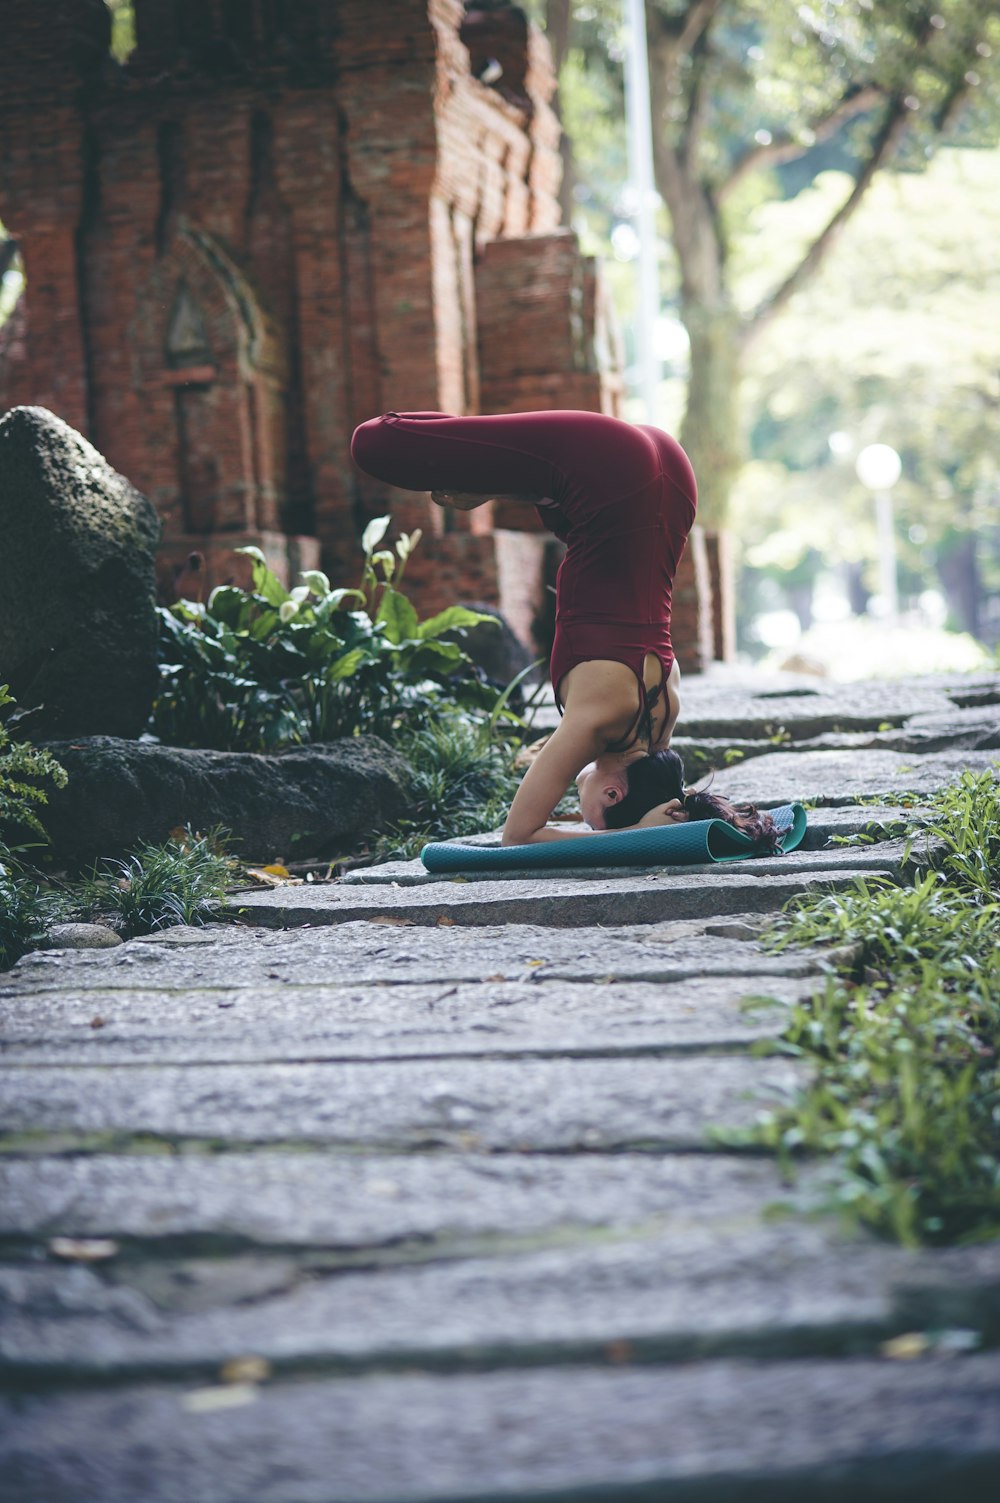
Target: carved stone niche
{"points": [[214, 370]]}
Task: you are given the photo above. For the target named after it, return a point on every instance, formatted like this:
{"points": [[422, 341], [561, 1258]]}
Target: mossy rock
{"points": [[78, 628]]}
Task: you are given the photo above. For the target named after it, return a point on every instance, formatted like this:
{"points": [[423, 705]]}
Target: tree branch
{"points": [[694, 23], [858, 100], [698, 102], [894, 127]]}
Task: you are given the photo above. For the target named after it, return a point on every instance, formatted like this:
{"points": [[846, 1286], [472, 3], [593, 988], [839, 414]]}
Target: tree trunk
{"points": [[711, 428], [958, 571], [557, 24]]}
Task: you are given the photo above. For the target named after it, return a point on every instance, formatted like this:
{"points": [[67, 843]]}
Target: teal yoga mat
{"points": [[699, 841]]}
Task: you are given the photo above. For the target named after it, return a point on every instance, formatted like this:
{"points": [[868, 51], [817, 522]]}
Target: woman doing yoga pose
{"points": [[622, 498]]}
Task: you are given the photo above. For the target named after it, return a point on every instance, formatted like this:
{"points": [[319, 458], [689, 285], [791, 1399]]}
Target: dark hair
{"points": [[653, 779], [659, 777]]}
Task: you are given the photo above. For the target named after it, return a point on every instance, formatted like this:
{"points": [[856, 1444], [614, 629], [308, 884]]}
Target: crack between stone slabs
{"points": [[690, 972], [851, 1339], [328, 1261], [718, 1049], [66, 1145]]}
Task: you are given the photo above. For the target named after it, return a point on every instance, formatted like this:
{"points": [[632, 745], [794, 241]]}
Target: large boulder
{"points": [[78, 624], [310, 800]]}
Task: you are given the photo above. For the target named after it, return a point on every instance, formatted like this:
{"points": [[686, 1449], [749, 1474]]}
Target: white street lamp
{"points": [[878, 467]]}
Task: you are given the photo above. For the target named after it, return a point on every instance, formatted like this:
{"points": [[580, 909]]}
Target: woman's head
{"points": [[659, 777]]}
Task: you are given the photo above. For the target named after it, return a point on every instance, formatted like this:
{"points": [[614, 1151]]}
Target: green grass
{"points": [[904, 1038], [158, 886], [463, 784], [26, 910]]}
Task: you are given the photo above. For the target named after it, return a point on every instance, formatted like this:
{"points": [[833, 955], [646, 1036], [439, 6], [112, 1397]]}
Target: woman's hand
{"points": [[671, 813]]}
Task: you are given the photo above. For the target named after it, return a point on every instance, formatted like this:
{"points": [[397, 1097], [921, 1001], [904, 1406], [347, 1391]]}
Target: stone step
{"points": [[544, 1105], [559, 900], [857, 1431], [393, 951], [846, 777], [664, 1290], [975, 728], [406, 1207], [888, 856], [267, 1022]]}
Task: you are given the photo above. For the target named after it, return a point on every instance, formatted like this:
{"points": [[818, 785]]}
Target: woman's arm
{"points": [[571, 746]]}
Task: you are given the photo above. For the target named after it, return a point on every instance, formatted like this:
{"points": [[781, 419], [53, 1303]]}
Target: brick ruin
{"points": [[275, 220]]}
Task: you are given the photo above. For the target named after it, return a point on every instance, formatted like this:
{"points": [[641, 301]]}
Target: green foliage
{"points": [[25, 912], [904, 1038], [158, 886], [23, 768], [463, 784], [261, 669], [966, 819]]}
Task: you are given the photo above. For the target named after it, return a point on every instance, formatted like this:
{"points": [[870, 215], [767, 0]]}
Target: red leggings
{"points": [[622, 498]]}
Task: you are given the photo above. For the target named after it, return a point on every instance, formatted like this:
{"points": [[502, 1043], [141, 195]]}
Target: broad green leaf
{"points": [[264, 582], [401, 623], [345, 666], [374, 533], [229, 604], [451, 619], [434, 656]]}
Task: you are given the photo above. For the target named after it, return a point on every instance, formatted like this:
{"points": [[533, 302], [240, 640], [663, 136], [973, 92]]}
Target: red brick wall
{"points": [[273, 223]]}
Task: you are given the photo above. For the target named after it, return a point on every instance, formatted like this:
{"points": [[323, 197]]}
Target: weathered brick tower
{"points": [[277, 219]]}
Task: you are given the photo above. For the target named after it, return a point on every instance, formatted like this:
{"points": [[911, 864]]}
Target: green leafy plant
{"points": [[23, 768], [260, 669], [904, 1037], [158, 886], [463, 782], [26, 910]]}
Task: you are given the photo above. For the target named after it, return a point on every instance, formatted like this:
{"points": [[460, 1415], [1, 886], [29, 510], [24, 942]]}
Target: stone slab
{"points": [[272, 1201], [712, 1432], [547, 1105], [837, 777], [400, 953], [226, 1024], [838, 708], [888, 856], [974, 728], [560, 900], [669, 1291]]}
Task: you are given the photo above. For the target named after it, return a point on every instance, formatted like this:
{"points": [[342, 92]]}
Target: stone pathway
{"points": [[407, 1189]]}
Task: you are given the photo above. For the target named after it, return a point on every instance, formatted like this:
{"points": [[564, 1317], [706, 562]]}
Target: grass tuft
{"points": [[463, 784], [904, 1038], [159, 886], [26, 910]]}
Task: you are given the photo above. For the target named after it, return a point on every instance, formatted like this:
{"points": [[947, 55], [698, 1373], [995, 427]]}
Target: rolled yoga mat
{"points": [[697, 841]]}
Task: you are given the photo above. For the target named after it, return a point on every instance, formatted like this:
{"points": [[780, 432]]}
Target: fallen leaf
{"points": [[248, 1368], [97, 1022], [83, 1249], [385, 918], [906, 1347], [445, 921], [619, 1351], [229, 1396], [272, 877]]}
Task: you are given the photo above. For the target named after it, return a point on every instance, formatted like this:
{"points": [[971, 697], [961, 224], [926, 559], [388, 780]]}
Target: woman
{"points": [[622, 498]]}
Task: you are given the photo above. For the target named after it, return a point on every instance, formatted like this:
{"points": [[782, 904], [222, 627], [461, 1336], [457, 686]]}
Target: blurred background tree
{"points": [[829, 177]]}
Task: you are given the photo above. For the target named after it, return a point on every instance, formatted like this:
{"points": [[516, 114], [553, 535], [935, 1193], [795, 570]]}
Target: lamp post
{"points": [[640, 154], [878, 467]]}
